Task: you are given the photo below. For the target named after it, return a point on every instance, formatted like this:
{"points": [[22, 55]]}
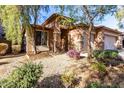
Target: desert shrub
{"points": [[102, 54], [25, 76], [73, 54], [99, 66], [96, 53], [114, 54], [99, 85], [3, 48], [67, 78], [94, 85]]}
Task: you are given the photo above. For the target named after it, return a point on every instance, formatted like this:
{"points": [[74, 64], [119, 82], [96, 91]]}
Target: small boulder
{"points": [[3, 48], [121, 84], [16, 49], [121, 56]]}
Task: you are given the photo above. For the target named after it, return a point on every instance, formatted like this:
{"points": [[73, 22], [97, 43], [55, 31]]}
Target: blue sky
{"points": [[110, 21]]}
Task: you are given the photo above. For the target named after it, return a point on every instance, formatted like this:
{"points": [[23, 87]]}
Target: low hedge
{"points": [[102, 54]]}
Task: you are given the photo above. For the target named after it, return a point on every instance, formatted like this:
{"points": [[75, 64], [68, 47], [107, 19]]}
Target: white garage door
{"points": [[109, 42]]}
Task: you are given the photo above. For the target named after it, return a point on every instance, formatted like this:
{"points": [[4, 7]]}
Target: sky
{"points": [[111, 22]]}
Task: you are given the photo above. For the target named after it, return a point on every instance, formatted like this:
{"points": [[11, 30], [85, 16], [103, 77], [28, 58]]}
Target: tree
{"points": [[31, 14], [93, 13], [19, 18], [120, 16], [10, 17], [26, 12], [89, 15]]}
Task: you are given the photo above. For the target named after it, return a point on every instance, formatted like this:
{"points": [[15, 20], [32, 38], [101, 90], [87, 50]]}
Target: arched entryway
{"points": [[41, 41]]}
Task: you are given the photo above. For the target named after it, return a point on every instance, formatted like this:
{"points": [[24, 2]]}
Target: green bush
{"points": [[96, 53], [67, 78], [102, 54], [99, 85], [99, 66], [94, 85], [25, 76]]}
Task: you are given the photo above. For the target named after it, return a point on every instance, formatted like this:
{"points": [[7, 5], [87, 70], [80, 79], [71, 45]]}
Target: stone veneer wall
{"points": [[99, 40], [75, 39], [119, 44]]}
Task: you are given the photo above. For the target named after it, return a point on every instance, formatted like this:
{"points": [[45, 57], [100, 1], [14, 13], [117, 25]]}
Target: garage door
{"points": [[109, 42]]}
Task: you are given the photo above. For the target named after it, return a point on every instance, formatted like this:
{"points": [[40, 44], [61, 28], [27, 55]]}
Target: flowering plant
{"points": [[73, 54]]}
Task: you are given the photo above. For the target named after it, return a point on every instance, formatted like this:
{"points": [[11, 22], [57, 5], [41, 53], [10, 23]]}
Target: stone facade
{"points": [[65, 37], [75, 39], [99, 41], [119, 44]]}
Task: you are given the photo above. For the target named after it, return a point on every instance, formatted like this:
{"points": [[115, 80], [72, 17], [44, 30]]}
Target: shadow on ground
{"points": [[11, 56], [51, 82], [3, 63]]}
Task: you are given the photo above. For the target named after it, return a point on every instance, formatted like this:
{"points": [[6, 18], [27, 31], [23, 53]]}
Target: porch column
{"points": [[57, 41], [56, 37], [69, 42], [48, 43]]}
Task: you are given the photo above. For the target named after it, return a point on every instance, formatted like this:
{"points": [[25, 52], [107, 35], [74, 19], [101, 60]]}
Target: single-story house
{"points": [[62, 37], [59, 34]]}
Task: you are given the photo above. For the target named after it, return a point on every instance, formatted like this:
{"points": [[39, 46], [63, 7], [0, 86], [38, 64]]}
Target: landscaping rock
{"points": [[3, 48], [16, 49], [121, 84], [121, 55]]}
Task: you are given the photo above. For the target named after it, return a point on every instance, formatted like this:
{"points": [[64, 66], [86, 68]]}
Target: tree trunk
{"points": [[34, 32], [34, 42], [89, 58], [30, 42]]}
